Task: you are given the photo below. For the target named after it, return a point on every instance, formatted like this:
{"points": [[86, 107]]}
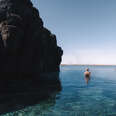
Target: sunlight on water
{"points": [[98, 98]]}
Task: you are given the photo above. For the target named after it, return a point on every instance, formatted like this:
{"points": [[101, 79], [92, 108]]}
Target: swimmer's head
{"points": [[87, 69]]}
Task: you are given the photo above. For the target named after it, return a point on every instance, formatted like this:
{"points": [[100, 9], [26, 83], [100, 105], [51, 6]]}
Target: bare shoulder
{"points": [[85, 72]]}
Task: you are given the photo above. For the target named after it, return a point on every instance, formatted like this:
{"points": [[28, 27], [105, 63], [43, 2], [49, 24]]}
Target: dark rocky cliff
{"points": [[26, 46]]}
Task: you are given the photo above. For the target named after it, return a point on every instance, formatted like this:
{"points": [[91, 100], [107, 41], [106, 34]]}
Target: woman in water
{"points": [[87, 75]]}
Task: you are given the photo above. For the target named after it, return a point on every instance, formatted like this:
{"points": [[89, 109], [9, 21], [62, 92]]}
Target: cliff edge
{"points": [[26, 46]]}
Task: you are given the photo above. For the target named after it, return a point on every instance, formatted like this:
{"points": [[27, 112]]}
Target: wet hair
{"points": [[87, 69]]}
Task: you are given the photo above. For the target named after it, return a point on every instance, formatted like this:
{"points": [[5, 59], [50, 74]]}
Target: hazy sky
{"points": [[85, 29]]}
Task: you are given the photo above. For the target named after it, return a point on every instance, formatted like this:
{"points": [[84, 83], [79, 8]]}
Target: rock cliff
{"points": [[26, 46]]}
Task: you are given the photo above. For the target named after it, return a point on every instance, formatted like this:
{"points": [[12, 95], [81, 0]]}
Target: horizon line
{"points": [[91, 64]]}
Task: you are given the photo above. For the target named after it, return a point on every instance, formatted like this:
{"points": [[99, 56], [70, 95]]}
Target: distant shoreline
{"points": [[88, 64]]}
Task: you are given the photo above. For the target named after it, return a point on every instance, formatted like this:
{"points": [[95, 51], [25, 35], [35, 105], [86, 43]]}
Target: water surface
{"points": [[98, 98]]}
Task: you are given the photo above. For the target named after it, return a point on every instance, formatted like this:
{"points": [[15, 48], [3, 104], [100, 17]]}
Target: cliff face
{"points": [[26, 46]]}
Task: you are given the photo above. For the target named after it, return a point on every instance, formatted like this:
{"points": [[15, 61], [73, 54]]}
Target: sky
{"points": [[85, 29]]}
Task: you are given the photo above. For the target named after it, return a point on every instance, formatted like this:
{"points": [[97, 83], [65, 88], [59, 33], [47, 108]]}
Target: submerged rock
{"points": [[26, 46]]}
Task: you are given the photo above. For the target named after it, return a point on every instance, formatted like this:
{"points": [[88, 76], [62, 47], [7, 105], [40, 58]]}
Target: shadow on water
{"points": [[17, 95]]}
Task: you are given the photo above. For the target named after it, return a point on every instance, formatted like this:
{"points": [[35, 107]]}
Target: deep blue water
{"points": [[98, 98]]}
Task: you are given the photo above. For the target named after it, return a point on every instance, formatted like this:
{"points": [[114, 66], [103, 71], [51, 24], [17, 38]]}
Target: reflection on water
{"points": [[25, 105], [98, 98], [23, 102], [20, 95]]}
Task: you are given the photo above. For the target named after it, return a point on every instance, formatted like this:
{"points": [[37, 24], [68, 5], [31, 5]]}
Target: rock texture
{"points": [[26, 46]]}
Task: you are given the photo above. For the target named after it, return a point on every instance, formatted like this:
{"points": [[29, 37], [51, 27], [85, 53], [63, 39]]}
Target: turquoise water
{"points": [[98, 98]]}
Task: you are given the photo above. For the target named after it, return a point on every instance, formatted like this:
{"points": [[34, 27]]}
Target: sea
{"points": [[97, 98]]}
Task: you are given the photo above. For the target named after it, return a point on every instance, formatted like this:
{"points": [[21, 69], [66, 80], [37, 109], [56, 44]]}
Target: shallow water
{"points": [[98, 98]]}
